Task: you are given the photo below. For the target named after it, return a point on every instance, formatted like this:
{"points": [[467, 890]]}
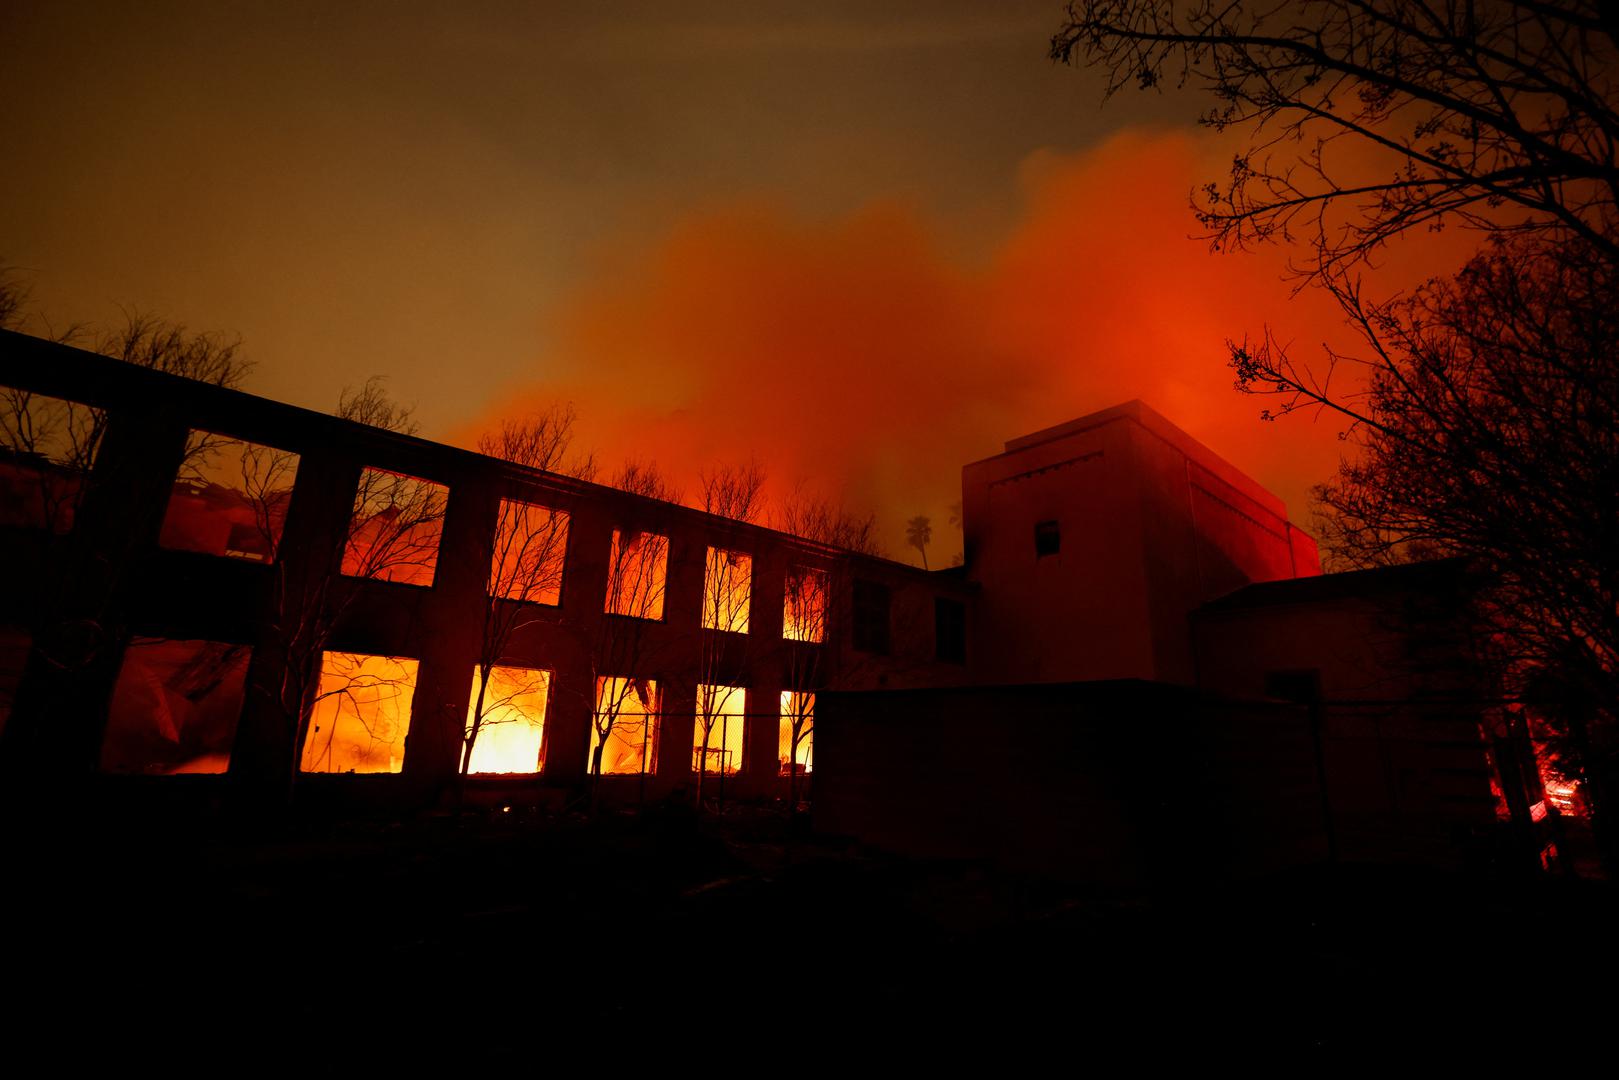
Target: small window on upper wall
{"points": [[361, 714], [950, 630], [230, 498], [47, 448], [531, 546], [1303, 685], [804, 609], [727, 588], [871, 609], [174, 707], [1047, 539], [637, 571], [394, 532]]}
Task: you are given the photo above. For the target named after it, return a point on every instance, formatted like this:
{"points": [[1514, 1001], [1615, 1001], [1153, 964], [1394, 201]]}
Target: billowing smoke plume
{"points": [[858, 356]]}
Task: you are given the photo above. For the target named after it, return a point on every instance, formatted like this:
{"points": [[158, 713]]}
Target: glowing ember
{"points": [[1564, 795]]}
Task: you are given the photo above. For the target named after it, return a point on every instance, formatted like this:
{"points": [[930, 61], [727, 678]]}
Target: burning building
{"points": [[210, 588]]}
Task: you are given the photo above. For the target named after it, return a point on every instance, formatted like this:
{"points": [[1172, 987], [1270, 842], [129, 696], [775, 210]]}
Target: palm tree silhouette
{"points": [[918, 531]]}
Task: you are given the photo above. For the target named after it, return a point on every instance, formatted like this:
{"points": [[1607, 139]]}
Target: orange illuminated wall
{"points": [[1092, 542]]}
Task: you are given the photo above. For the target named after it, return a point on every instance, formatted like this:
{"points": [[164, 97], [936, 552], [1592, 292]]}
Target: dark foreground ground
{"points": [[549, 943]]}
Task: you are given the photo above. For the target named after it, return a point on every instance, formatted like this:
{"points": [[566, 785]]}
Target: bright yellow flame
{"points": [[632, 745], [804, 613], [511, 738], [799, 706], [726, 588], [362, 715], [720, 715], [636, 574]]}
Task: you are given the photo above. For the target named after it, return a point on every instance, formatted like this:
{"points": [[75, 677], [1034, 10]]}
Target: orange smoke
{"points": [[859, 356]]}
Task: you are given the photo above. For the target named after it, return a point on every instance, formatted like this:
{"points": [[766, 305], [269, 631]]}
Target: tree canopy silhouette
{"points": [[1479, 411]]}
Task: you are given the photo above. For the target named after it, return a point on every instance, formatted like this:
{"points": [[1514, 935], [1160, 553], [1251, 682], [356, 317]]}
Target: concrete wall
{"points": [[1152, 523], [1134, 783], [1399, 695]]}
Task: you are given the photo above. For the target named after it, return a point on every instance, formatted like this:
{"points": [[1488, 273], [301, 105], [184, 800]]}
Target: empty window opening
{"points": [[717, 736], [1302, 686], [949, 630], [47, 448], [795, 750], [531, 544], [804, 611], [174, 707], [1047, 539], [637, 572], [727, 587], [625, 730], [394, 532], [230, 498], [510, 735], [872, 602], [361, 714]]}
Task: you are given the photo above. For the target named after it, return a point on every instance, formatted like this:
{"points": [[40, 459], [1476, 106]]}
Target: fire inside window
{"points": [[1047, 539]]}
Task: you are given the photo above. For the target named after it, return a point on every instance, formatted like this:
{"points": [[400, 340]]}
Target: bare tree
{"points": [[734, 494], [1481, 409], [627, 703], [812, 587], [50, 456], [1498, 115], [390, 534], [370, 404], [58, 441], [526, 566], [14, 295]]}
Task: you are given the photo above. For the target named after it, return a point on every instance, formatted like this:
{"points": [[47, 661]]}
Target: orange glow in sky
{"points": [[862, 355]]}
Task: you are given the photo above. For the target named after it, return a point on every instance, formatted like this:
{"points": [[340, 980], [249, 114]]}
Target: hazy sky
{"points": [[445, 195]]}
